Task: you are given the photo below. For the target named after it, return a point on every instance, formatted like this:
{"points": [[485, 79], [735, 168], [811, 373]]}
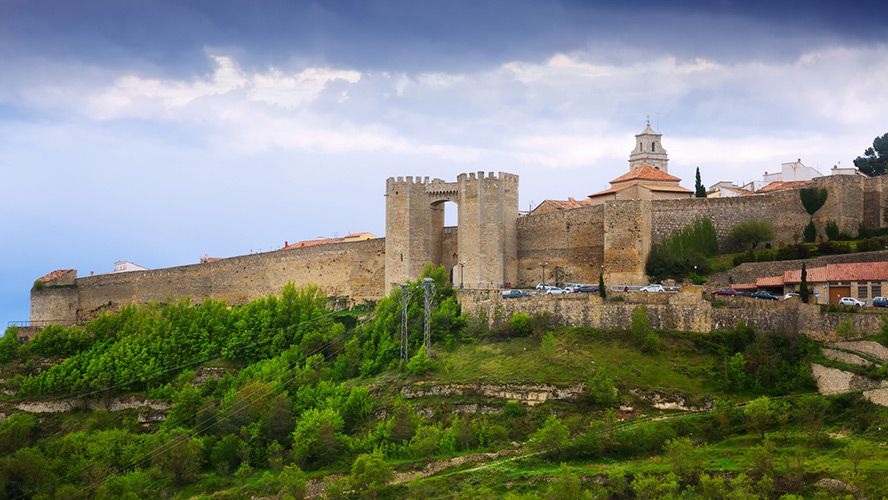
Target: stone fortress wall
{"points": [[354, 270], [497, 247]]}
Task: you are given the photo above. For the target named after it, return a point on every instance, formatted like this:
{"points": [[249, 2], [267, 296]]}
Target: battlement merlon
{"points": [[503, 177]]}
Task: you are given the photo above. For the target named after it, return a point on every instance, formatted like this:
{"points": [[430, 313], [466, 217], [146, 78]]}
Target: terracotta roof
{"points": [[815, 275], [769, 281], [567, 204], [857, 271], [609, 191], [58, 273], [781, 185], [743, 286], [645, 173], [675, 189]]}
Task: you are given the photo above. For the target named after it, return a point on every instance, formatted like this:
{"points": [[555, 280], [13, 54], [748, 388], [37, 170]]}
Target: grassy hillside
{"points": [[282, 398]]}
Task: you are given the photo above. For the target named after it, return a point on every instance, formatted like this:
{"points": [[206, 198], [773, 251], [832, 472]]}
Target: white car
{"points": [[652, 288], [555, 291], [850, 301], [543, 286]]}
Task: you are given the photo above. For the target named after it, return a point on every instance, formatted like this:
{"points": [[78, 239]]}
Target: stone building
{"points": [[648, 177]]}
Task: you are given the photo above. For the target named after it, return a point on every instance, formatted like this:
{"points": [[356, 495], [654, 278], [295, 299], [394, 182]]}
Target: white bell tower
{"points": [[649, 150]]}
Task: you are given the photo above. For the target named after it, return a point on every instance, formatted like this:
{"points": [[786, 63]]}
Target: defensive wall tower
{"points": [[487, 234]]}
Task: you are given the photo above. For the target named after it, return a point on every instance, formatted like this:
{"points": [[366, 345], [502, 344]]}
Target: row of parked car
{"points": [[761, 294], [547, 289]]}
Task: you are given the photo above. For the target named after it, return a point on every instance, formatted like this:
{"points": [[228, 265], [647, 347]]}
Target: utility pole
{"points": [[404, 323], [428, 285]]}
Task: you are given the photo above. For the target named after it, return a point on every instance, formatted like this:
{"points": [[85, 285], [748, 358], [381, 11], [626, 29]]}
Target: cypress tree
{"points": [[803, 288], [601, 289], [698, 186]]}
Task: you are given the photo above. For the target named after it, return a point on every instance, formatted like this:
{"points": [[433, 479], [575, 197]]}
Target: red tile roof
{"points": [[567, 204], [674, 189], [645, 173], [609, 191], [58, 273], [769, 281], [781, 185]]}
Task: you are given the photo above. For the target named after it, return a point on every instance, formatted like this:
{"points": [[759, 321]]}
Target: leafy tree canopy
{"points": [[875, 159], [813, 198], [751, 232]]}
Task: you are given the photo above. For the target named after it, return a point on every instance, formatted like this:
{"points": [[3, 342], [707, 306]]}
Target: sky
{"points": [[160, 131]]}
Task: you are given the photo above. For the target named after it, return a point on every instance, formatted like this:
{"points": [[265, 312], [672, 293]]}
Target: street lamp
{"points": [[462, 265], [543, 265]]}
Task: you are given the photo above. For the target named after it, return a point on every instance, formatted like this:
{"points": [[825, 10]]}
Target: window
{"points": [[862, 291], [653, 146], [876, 288]]}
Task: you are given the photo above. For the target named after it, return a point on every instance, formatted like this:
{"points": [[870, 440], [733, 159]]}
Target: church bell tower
{"points": [[649, 150]]}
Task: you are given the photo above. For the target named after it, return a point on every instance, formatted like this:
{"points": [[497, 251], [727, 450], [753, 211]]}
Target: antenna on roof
{"points": [[648, 120]]}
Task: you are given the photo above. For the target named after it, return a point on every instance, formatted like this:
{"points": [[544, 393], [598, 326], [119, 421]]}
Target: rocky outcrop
{"points": [[530, 394], [835, 381], [877, 396], [113, 404], [664, 401], [845, 357], [867, 347]]}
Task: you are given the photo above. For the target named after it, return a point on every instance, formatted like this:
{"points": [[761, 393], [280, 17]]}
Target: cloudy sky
{"points": [[158, 131]]}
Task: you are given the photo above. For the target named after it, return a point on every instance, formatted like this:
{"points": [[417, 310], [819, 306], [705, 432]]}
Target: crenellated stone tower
{"points": [[487, 231]]}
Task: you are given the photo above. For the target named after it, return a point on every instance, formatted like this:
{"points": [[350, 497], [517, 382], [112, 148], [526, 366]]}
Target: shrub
{"points": [[832, 230], [869, 245], [420, 364], [810, 233], [39, 285], [813, 198], [846, 329], [684, 251], [519, 323], [787, 252]]}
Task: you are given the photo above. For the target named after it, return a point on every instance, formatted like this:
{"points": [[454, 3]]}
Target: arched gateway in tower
{"points": [[486, 234]]}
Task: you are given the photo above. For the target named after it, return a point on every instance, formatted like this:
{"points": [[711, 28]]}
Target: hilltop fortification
{"points": [[491, 246]]}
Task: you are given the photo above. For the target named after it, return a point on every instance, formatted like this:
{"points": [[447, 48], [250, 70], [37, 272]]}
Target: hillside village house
{"points": [[863, 281]]}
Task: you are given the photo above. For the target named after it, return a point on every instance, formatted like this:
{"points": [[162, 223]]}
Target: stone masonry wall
{"points": [[570, 240], [749, 271], [686, 311], [353, 269], [851, 200]]}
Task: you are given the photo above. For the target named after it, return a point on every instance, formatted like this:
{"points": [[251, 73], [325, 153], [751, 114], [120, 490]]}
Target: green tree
{"points": [[811, 410], [724, 413], [875, 159], [420, 364], [547, 346], [181, 455], [293, 482], [832, 230], [684, 459], [803, 288], [699, 190], [243, 472], [9, 345], [551, 437], [318, 438], [759, 414], [751, 232], [813, 199], [370, 472], [810, 233], [602, 290], [565, 486], [856, 451]]}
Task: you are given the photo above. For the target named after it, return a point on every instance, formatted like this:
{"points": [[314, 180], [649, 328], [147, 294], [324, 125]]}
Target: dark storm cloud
{"points": [[171, 37]]}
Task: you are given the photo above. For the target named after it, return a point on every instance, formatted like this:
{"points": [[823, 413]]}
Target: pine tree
{"points": [[698, 187]]}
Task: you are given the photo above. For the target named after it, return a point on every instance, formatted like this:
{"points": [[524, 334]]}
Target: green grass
{"points": [[678, 367]]}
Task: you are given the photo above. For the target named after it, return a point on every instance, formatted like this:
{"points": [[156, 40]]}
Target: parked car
{"points": [[543, 286], [790, 295], [554, 290], [515, 294], [851, 301], [652, 288], [764, 295], [725, 291], [586, 289], [880, 302]]}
